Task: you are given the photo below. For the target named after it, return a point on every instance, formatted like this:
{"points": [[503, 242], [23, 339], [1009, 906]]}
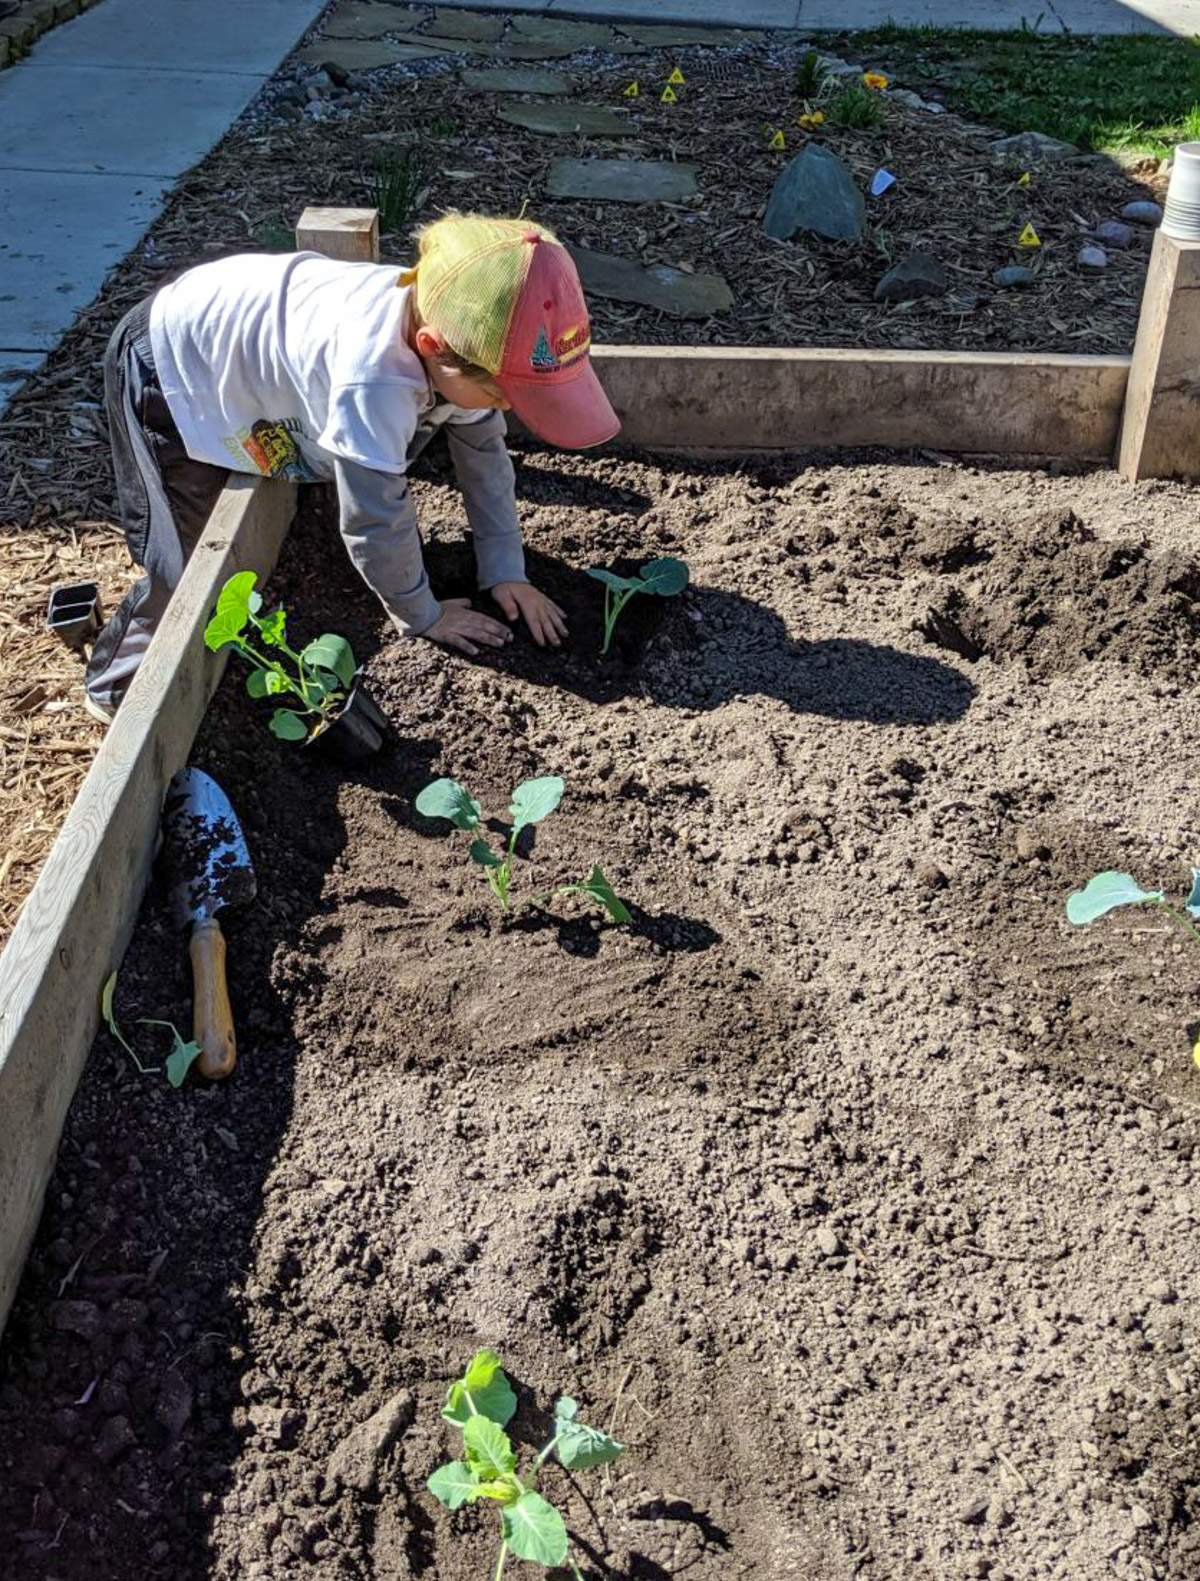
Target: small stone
{"points": [[114, 1439], [76, 1317], [356, 1460], [920, 274], [931, 876], [973, 1511], [1092, 259], [1141, 1517], [1029, 147], [1112, 233], [1143, 212], [827, 1240], [1013, 275], [226, 1138], [1161, 1290], [815, 192], [338, 75]]}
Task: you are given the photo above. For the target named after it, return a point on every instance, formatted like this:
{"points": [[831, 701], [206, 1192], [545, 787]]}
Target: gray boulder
{"points": [[1112, 233], [920, 274], [815, 192]]}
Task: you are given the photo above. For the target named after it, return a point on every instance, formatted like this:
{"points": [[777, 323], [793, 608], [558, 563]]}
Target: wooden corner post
{"points": [[1160, 428], [351, 235]]}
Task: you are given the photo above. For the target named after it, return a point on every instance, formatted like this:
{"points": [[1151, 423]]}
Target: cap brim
{"points": [[568, 408]]}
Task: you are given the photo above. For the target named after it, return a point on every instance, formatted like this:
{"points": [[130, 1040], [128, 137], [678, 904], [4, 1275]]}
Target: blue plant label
{"points": [[881, 181]]}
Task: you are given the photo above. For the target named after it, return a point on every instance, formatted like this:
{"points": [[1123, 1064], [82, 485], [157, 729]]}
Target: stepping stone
{"points": [[622, 180], [563, 120], [468, 24], [560, 30], [920, 274], [504, 79], [1028, 147], [663, 36], [672, 291], [358, 20], [354, 54], [815, 192]]}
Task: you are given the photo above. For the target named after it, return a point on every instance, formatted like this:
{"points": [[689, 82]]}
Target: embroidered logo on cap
{"points": [[541, 356]]}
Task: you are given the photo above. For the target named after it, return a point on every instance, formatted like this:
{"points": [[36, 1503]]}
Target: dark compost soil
{"points": [[856, 1189]]}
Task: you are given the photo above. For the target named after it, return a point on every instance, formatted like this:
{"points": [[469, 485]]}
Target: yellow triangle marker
{"points": [[777, 141], [676, 77], [1025, 180], [669, 96], [631, 92], [1029, 238]]}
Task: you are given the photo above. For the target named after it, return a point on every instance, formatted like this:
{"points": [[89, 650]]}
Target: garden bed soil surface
{"points": [[854, 1190]]}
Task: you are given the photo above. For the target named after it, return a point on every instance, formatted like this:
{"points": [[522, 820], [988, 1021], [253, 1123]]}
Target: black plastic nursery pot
{"points": [[356, 734], [73, 614]]}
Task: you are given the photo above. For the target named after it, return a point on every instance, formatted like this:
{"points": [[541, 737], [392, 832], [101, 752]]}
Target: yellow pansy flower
{"points": [[811, 120], [875, 79]]}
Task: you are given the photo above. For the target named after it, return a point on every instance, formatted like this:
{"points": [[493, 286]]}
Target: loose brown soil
{"points": [[852, 1186]]}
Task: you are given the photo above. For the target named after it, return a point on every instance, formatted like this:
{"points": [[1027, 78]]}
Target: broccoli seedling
{"points": [[316, 679], [182, 1056], [1106, 891], [482, 1403], [664, 577], [532, 801]]}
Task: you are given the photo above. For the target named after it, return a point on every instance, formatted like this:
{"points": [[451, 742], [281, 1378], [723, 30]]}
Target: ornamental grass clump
{"points": [[1108, 890], [481, 1403]]}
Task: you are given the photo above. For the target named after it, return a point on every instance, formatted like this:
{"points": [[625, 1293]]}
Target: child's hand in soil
{"points": [[460, 626], [547, 623]]}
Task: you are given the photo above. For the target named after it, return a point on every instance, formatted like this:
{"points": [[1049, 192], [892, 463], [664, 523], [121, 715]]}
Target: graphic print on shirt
{"points": [[268, 443]]}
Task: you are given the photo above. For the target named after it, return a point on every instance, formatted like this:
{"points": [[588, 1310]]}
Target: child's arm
{"points": [[485, 475], [379, 528]]}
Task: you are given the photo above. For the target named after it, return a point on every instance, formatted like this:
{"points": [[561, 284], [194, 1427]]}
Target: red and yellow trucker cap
{"points": [[505, 294]]}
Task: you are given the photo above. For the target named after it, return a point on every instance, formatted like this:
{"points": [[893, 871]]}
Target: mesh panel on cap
{"points": [[469, 277]]}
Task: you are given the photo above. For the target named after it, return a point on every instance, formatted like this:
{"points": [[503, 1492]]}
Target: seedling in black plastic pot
{"points": [[1106, 891], [319, 683], [532, 801], [482, 1403], [664, 577]]}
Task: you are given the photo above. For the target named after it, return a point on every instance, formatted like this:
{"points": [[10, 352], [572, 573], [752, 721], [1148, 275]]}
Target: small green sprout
{"points": [[664, 577], [1106, 891], [532, 801], [482, 1403], [317, 679], [182, 1056]]}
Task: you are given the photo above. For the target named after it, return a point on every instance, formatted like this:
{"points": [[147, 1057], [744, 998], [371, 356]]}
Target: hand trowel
{"points": [[210, 869]]}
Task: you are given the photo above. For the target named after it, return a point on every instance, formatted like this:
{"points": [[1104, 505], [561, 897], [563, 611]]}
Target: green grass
{"points": [[1140, 93], [857, 107]]}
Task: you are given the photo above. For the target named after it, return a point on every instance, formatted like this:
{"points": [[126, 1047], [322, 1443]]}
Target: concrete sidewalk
{"points": [[1050, 16], [96, 124]]}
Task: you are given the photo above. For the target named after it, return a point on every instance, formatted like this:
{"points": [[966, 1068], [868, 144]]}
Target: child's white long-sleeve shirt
{"points": [[298, 366]]}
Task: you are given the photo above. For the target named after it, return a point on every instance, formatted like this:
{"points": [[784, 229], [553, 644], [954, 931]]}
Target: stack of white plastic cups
{"points": [[1181, 216]]}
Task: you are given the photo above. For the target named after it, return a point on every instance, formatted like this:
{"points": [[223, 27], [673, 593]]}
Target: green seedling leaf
{"points": [[535, 1530], [488, 1450], [287, 725], [504, 1490], [664, 577], [181, 1059], [482, 853], [1193, 900], [482, 1390], [448, 799], [273, 630], [600, 889], [481, 1369], [577, 1445], [235, 604], [334, 653], [106, 1003], [453, 1484], [619, 584], [534, 800], [266, 683], [1104, 893]]}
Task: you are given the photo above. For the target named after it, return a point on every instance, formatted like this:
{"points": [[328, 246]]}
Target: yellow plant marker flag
{"points": [[631, 92], [668, 96], [676, 77], [1025, 180], [777, 141], [1029, 238]]}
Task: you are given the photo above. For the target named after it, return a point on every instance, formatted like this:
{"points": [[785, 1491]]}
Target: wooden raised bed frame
{"points": [[74, 928]]}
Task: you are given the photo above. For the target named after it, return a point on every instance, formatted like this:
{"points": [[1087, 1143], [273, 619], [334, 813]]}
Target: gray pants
{"points": [[164, 499]]}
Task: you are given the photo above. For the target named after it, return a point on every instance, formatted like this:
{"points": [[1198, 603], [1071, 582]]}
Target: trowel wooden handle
{"points": [[212, 1017]]}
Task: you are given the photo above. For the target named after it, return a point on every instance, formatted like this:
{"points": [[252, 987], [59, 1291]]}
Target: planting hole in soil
{"points": [[849, 1186]]}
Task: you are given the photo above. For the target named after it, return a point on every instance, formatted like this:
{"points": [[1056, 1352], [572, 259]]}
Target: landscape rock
{"points": [[1013, 275], [1092, 259], [1112, 233], [567, 120], [815, 192], [672, 291], [1029, 147], [514, 79], [486, 29], [355, 1462], [1143, 212], [622, 180], [920, 274]]}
